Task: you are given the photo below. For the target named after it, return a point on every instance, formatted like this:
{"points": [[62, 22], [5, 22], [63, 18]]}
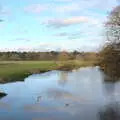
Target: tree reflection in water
{"points": [[2, 95], [63, 78], [110, 112]]}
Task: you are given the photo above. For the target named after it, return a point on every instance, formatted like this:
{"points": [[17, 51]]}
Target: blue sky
{"points": [[40, 25]]}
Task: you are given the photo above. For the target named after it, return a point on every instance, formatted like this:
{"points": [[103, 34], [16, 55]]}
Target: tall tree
{"points": [[113, 26], [111, 52]]}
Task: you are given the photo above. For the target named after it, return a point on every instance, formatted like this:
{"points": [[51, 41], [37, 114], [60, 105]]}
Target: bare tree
{"points": [[110, 55], [113, 26]]}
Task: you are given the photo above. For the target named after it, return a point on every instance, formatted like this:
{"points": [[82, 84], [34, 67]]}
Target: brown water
{"points": [[78, 95]]}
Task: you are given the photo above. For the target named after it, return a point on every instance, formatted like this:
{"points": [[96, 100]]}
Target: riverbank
{"points": [[11, 71]]}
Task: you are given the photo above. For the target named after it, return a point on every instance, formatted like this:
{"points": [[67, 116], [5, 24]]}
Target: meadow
{"points": [[11, 71]]}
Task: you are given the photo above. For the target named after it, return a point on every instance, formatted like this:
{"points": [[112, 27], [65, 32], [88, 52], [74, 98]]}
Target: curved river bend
{"points": [[56, 95]]}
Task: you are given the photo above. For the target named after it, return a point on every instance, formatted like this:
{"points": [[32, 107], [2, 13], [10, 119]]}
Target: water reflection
{"points": [[109, 88], [110, 112], [111, 76], [63, 78], [2, 95], [59, 94]]}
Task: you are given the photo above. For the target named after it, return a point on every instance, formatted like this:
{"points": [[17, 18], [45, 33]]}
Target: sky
{"points": [[45, 25]]}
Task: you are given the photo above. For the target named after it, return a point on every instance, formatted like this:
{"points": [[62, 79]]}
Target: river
{"points": [[59, 95]]}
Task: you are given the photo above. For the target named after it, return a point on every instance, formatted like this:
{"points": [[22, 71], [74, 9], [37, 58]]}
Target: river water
{"points": [[58, 95]]}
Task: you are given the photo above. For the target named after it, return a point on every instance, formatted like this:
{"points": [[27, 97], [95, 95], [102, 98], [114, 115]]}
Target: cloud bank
{"points": [[57, 23]]}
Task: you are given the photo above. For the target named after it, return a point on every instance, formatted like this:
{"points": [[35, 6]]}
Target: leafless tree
{"points": [[113, 26]]}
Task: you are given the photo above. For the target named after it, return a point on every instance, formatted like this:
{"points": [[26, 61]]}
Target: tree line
{"points": [[45, 56]]}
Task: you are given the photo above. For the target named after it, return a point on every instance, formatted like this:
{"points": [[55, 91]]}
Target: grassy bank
{"points": [[75, 64], [18, 70]]}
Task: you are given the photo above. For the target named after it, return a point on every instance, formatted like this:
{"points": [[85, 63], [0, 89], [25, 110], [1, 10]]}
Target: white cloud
{"points": [[64, 0], [68, 8], [70, 45], [57, 23], [36, 8], [63, 34], [72, 6]]}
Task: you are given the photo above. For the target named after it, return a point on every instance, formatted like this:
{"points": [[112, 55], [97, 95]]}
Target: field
{"points": [[17, 70]]}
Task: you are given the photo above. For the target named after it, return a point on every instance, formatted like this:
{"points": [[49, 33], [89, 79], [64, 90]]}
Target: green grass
{"points": [[17, 70]]}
